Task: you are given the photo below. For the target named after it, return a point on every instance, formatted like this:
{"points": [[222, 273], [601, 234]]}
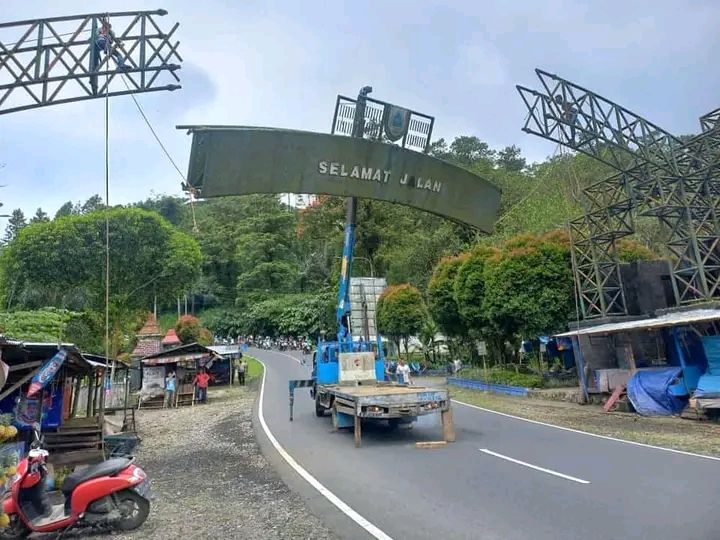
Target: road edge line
{"points": [[606, 437], [309, 478]]}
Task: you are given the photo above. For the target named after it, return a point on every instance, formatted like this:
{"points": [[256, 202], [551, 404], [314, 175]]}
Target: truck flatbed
{"points": [[350, 404]]}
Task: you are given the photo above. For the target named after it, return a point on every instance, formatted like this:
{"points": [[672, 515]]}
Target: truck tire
{"points": [[319, 407]]}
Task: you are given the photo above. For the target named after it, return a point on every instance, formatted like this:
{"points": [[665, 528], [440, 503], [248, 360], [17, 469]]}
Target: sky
{"points": [[281, 64]]}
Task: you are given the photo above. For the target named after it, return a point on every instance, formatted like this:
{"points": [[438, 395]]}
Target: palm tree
{"points": [[427, 335]]}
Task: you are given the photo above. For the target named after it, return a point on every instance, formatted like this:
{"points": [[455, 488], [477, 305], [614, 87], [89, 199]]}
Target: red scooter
{"points": [[112, 494]]}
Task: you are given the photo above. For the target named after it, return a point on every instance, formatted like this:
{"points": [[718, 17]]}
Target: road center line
{"points": [[309, 478], [531, 466]]}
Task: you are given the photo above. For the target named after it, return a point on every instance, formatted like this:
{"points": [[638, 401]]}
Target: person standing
{"points": [[170, 386], [201, 381], [241, 367], [403, 373]]}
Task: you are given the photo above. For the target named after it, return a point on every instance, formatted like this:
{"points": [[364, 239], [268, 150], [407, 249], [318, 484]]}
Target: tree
{"points": [[442, 304], [65, 210], [40, 216], [401, 313], [93, 204], [529, 287], [189, 329], [169, 207], [66, 257], [470, 288], [266, 250], [510, 159], [15, 224], [468, 151]]}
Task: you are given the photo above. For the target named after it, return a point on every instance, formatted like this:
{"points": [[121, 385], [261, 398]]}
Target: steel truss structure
{"points": [[676, 181], [56, 60]]}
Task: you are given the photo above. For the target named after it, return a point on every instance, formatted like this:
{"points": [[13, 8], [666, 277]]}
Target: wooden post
{"points": [[76, 396], [95, 395], [358, 431], [448, 425], [630, 357], [91, 388]]}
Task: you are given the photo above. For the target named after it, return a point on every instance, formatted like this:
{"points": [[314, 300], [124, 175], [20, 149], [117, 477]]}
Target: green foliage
{"points": [[40, 215], [401, 312], [189, 329], [60, 262], [529, 287], [630, 250], [442, 304], [171, 208], [499, 375], [50, 325], [16, 223], [469, 289], [292, 314]]}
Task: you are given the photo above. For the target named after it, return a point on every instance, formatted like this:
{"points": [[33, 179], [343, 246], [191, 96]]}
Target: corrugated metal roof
{"points": [[225, 350], [677, 318]]}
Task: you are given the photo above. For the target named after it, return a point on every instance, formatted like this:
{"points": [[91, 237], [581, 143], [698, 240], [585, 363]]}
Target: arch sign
{"points": [[244, 160]]}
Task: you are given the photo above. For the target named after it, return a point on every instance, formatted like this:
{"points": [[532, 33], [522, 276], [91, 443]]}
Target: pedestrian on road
{"points": [[201, 380], [403, 373], [170, 385]]}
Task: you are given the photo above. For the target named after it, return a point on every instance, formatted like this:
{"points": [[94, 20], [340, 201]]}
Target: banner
{"points": [[46, 373]]}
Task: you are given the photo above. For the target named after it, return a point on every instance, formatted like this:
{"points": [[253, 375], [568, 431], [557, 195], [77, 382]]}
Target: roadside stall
{"points": [[44, 386], [665, 364], [184, 361]]}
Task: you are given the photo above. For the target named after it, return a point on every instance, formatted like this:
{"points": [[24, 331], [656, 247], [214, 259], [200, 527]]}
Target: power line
{"points": [[152, 130]]}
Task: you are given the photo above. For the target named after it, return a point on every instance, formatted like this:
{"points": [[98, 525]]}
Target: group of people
{"points": [[200, 382]]}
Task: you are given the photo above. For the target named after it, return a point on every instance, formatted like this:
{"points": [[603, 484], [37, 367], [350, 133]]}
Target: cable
{"points": [[107, 233], [530, 193], [167, 154], [8, 45]]}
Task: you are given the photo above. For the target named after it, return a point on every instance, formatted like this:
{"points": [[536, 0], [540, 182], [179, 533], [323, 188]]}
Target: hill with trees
{"points": [[254, 265]]}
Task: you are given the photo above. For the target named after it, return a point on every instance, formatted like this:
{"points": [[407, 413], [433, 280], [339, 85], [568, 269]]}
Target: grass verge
{"points": [[670, 432], [254, 368]]}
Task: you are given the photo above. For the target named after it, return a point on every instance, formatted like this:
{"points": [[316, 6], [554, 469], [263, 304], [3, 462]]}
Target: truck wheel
{"points": [[319, 407]]}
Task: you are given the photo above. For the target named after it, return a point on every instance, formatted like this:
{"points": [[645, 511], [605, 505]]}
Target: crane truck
{"points": [[348, 375]]}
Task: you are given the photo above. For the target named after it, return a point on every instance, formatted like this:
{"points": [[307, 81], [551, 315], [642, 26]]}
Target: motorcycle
{"points": [[112, 494]]}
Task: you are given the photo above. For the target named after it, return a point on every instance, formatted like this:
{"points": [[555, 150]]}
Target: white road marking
{"points": [[531, 466], [606, 437], [289, 356], [310, 479]]}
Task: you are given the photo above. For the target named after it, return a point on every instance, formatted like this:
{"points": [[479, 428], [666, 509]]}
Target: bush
{"points": [[504, 376]]}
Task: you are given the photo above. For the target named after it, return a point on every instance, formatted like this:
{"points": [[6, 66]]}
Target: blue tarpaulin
{"points": [[709, 384], [649, 392]]}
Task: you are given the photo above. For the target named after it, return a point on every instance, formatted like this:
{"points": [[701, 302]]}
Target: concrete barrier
{"points": [[488, 387]]}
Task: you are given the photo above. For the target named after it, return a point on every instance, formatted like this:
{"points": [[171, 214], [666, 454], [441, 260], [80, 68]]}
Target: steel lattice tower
{"points": [[677, 182], [56, 60]]}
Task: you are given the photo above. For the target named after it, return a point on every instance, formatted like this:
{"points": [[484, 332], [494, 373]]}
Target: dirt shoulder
{"points": [[209, 478], [689, 435]]}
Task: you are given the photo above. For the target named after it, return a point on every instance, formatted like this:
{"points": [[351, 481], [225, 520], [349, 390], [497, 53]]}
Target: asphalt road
{"points": [[606, 489]]}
